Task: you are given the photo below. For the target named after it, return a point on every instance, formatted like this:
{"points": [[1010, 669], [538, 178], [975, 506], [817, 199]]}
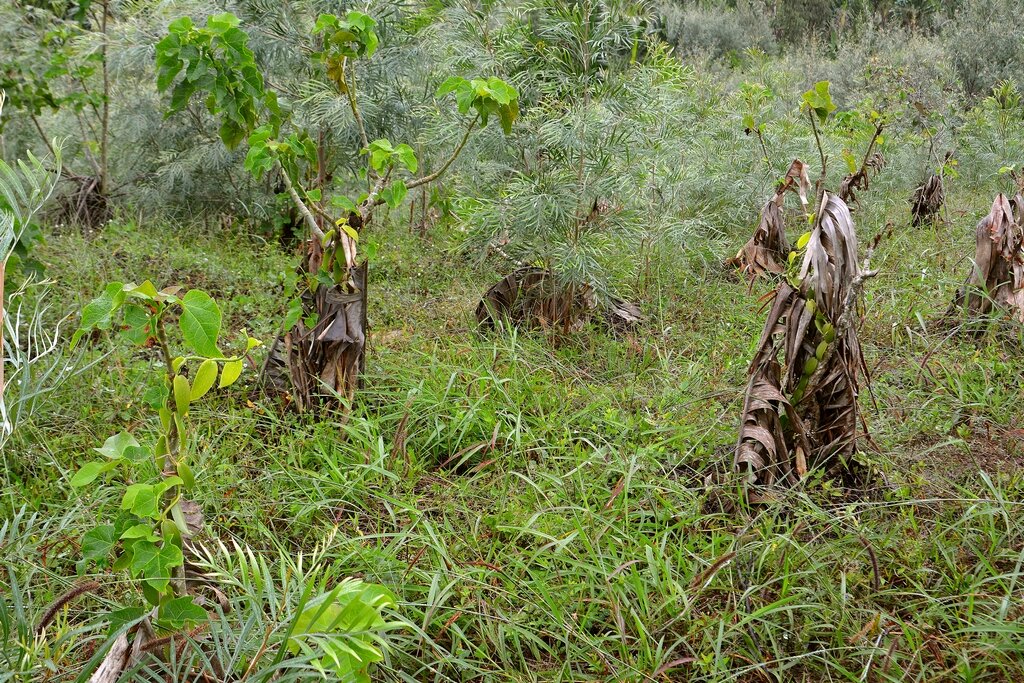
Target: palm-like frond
{"points": [[24, 188]]}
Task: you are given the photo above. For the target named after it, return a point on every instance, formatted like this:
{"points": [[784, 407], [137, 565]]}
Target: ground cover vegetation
{"points": [[521, 340]]}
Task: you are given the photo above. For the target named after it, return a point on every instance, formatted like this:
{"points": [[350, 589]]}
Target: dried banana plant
{"points": [[767, 250], [859, 181], [927, 200], [530, 297], [800, 412], [328, 359], [997, 279]]}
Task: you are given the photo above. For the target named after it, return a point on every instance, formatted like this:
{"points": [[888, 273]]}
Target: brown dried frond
{"points": [[997, 278], [327, 360], [859, 181], [530, 297], [767, 250], [927, 200]]}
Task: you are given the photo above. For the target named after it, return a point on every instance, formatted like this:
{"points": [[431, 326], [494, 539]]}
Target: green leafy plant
{"points": [[216, 61], [147, 538], [756, 99], [341, 627]]}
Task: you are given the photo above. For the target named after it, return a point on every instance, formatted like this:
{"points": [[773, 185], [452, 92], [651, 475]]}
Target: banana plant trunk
{"points": [[314, 366], [327, 360]]}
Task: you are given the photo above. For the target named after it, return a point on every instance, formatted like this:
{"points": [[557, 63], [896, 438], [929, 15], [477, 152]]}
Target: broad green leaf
{"points": [[507, 115], [124, 560], [464, 99], [230, 373], [166, 483], [398, 192], [150, 592], [200, 323], [115, 446], [124, 617], [180, 25], [222, 22], [360, 20], [343, 202], [501, 91], [851, 161], [160, 452], [407, 156], [324, 22], [204, 380], [90, 471], [97, 313], [97, 543], [138, 454], [451, 85], [155, 563], [137, 319], [165, 418], [294, 313], [141, 500], [155, 396], [179, 424], [146, 291], [819, 99], [176, 613], [140, 532]]}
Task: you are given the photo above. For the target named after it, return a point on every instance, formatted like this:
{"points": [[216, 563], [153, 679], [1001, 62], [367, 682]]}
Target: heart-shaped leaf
{"points": [[115, 446], [175, 614], [97, 543], [155, 563], [141, 500], [90, 471], [200, 323]]}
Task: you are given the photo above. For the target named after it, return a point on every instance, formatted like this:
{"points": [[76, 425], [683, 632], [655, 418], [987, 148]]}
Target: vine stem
{"points": [[350, 91], [821, 154], [871, 146], [764, 150], [458, 150], [173, 444]]}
